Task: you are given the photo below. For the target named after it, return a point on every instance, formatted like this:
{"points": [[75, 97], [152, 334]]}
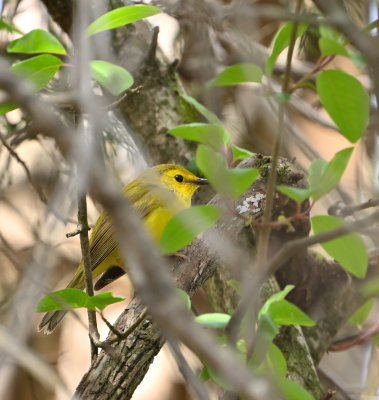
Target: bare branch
{"points": [[342, 210], [185, 369], [31, 362], [13, 153]]}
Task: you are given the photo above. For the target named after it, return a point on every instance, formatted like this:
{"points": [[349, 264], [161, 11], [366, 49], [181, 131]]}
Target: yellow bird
{"points": [[156, 195]]}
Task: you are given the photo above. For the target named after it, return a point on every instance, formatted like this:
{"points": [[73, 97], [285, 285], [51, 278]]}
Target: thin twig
{"points": [[27, 359], [340, 209], [270, 192], [9, 252], [322, 63], [88, 138], [119, 336], [290, 249], [152, 53], [36, 187], [188, 375], [348, 343], [77, 231], [110, 326], [329, 395], [127, 93], [41, 195], [264, 234], [123, 335], [86, 260]]}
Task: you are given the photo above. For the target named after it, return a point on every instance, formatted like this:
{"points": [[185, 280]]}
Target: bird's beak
{"points": [[201, 181]]}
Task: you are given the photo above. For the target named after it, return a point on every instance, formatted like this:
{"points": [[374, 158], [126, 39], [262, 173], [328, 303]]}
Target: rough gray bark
{"points": [[117, 372]]}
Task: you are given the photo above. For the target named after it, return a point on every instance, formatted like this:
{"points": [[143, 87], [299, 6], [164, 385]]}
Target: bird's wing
{"points": [[102, 242]]}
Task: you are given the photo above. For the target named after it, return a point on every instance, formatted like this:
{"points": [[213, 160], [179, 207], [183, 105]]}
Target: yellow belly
{"points": [[154, 223]]}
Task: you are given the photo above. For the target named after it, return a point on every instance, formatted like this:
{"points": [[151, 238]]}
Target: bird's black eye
{"points": [[179, 178]]}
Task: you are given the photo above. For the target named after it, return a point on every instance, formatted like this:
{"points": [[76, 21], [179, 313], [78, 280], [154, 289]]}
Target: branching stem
{"points": [[86, 257], [270, 193]]}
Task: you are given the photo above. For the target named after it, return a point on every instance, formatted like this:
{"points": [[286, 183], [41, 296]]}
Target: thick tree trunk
{"points": [[117, 372]]}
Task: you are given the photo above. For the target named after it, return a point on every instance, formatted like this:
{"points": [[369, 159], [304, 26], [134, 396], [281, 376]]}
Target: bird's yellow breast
{"points": [[156, 221]]}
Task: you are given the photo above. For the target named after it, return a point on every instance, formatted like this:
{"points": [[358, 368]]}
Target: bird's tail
{"points": [[50, 320]]}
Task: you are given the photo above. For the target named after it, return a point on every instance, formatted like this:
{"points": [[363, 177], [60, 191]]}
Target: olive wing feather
{"points": [[103, 242]]}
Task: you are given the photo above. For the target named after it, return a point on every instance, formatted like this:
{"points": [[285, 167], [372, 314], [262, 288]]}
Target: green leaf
{"points": [[358, 60], [239, 180], [62, 299], [316, 171], [371, 26], [235, 285], [209, 115], [238, 73], [331, 41], [228, 182], [38, 70], [323, 177], [345, 100], [294, 193], [213, 320], [329, 33], [241, 347], [349, 250], [285, 313], [371, 288], [240, 154], [185, 299], [281, 41], [7, 106], [112, 77], [204, 374], [36, 41], [102, 300], [75, 298], [183, 227], [273, 364], [290, 390], [332, 174], [8, 26], [283, 97], [216, 378], [267, 330], [360, 315], [121, 16], [273, 298], [210, 134], [276, 361], [331, 47]]}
